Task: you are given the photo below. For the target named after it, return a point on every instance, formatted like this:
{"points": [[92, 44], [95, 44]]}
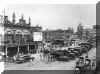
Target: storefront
{"points": [[12, 50]]}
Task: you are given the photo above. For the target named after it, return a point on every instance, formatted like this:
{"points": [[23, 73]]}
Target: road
{"points": [[39, 65]]}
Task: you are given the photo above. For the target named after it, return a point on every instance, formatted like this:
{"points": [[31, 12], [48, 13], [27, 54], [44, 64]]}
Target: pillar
{"points": [[28, 48], [6, 52], [18, 50]]}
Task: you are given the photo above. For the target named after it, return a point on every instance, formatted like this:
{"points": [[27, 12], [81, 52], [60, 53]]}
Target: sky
{"points": [[55, 16]]}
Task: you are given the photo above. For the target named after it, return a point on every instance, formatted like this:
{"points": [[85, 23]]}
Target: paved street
{"points": [[41, 66], [38, 65]]}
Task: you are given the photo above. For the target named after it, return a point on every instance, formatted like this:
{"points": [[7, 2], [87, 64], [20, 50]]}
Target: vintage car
{"points": [[76, 53], [62, 55], [81, 49], [57, 53], [73, 50], [87, 45], [22, 59], [63, 58]]}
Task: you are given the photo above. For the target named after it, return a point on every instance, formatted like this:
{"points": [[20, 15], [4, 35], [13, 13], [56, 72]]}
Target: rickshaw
{"points": [[79, 65], [83, 65]]}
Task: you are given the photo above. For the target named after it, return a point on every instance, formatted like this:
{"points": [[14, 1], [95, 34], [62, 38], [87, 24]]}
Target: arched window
{"points": [[18, 36], [8, 31]]}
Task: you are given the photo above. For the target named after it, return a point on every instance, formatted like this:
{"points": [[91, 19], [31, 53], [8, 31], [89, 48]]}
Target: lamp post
{"points": [[28, 48], [6, 52], [18, 47], [64, 38]]}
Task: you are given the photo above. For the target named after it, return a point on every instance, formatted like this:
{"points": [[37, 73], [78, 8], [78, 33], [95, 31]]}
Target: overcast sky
{"points": [[55, 16]]}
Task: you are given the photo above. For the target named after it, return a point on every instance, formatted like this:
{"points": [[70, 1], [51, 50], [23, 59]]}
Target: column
{"points": [[18, 50], [28, 48], [6, 53]]}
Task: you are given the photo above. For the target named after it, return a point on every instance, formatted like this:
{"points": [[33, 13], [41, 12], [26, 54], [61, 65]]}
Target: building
{"points": [[89, 33], [57, 36], [18, 37]]}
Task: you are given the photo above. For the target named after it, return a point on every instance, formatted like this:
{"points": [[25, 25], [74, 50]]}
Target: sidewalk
{"points": [[91, 54]]}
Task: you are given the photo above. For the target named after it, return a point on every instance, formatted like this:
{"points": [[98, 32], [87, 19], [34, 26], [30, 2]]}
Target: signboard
{"points": [[37, 36]]}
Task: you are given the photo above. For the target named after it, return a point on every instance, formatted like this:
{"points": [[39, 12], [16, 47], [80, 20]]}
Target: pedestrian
{"points": [[87, 64]]}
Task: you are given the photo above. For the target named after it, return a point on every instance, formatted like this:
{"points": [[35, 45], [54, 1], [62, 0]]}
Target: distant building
{"points": [[89, 33], [57, 36]]}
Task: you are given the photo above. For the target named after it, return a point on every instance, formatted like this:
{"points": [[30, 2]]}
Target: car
{"points": [[19, 60], [84, 50], [86, 44], [69, 49], [59, 52], [81, 49], [73, 50], [78, 49], [76, 53], [61, 55], [72, 55], [63, 58], [22, 59]]}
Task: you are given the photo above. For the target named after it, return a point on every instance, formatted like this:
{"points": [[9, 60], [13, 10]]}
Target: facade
{"points": [[18, 37]]}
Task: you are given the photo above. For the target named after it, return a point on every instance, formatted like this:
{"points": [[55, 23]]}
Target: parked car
{"points": [[86, 45], [22, 59], [78, 49], [62, 55], [82, 49], [72, 55], [76, 53], [63, 58], [73, 50]]}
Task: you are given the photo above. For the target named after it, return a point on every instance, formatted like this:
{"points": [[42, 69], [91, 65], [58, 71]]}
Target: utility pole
{"points": [[4, 16], [64, 38], [28, 48]]}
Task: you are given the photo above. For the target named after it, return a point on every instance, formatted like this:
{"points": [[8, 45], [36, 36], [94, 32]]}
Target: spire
{"points": [[22, 17], [13, 18], [29, 21]]}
